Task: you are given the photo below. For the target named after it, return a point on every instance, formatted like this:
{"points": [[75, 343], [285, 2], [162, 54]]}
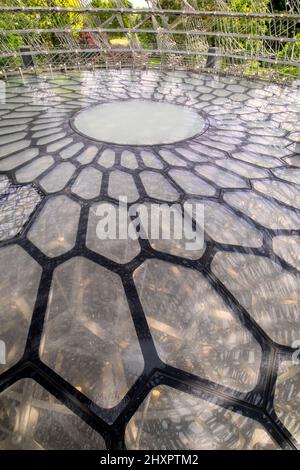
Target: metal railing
{"points": [[261, 44]]}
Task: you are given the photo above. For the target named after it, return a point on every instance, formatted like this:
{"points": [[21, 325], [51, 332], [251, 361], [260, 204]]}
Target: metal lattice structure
{"points": [[122, 345], [259, 42], [144, 344]]}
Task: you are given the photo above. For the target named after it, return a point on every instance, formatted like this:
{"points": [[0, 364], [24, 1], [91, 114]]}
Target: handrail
{"points": [[158, 12], [150, 31]]}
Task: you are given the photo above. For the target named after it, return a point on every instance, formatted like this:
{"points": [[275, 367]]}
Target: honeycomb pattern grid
{"points": [[245, 163]]}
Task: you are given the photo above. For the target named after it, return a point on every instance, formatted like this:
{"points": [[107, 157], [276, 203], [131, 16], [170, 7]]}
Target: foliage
{"points": [[239, 46]]}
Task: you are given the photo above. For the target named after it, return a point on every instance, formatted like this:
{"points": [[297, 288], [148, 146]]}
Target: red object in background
{"points": [[88, 39]]}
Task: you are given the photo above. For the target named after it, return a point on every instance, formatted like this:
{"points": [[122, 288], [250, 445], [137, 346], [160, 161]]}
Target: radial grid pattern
{"points": [[143, 344]]}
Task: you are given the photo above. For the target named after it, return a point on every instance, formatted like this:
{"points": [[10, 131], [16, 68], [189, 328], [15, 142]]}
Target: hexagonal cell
{"points": [[151, 160], [165, 230], [224, 226], [19, 283], [288, 248], [89, 336], [18, 159], [172, 419], [190, 155], [31, 171], [60, 144], [171, 158], [157, 187], [191, 184], [289, 174], [267, 213], [13, 147], [256, 159], [293, 161], [128, 160], [221, 177], [88, 183], [107, 159], [120, 250], [192, 327], [58, 178], [32, 419], [283, 192], [55, 230], [269, 293], [69, 152], [268, 150], [122, 184], [52, 138], [88, 155], [208, 151], [17, 205], [287, 397], [242, 169]]}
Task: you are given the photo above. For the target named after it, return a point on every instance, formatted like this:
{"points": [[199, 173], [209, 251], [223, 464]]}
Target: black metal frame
{"points": [[111, 423]]}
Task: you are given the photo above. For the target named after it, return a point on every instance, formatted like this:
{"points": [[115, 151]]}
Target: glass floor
{"points": [[142, 344]]}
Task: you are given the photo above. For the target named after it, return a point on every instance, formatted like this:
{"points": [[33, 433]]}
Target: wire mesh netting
{"points": [[203, 35]]}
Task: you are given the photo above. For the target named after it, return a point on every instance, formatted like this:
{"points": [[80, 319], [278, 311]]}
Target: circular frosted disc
{"points": [[135, 122]]}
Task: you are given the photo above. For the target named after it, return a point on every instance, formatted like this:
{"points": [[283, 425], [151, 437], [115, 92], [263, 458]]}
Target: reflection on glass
{"points": [[32, 419], [172, 420]]}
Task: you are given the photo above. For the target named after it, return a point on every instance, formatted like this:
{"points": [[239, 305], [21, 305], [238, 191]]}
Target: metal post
{"points": [[213, 58], [27, 58]]}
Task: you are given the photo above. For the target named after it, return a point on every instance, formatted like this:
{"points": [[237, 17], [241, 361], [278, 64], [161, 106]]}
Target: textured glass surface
{"points": [[19, 282], [122, 184], [32, 419], [283, 192], [18, 159], [151, 160], [57, 179], [193, 329], [89, 337], [172, 420], [88, 155], [224, 226], [168, 240], [54, 232], [16, 206], [288, 248], [221, 178], [267, 213], [121, 251], [157, 187], [139, 123], [270, 293], [287, 397], [213, 313], [88, 183], [33, 170], [191, 184], [107, 158]]}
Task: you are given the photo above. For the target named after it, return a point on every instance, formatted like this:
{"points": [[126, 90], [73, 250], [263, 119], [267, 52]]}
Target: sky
{"points": [[139, 3]]}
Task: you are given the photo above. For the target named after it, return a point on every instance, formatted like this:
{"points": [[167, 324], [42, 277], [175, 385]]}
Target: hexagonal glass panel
{"points": [[54, 231], [89, 336], [19, 281], [287, 397], [120, 250], [192, 327], [169, 419], [16, 207], [268, 292], [32, 419]]}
